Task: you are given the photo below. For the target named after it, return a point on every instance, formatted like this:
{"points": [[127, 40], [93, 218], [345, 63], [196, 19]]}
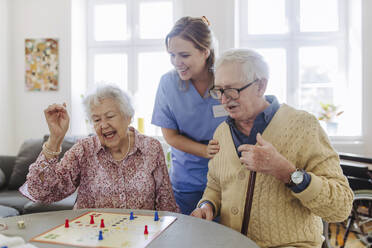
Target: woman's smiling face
{"points": [[189, 61]]}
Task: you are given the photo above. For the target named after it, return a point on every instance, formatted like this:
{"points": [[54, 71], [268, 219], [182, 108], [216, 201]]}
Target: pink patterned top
{"points": [[140, 181]]}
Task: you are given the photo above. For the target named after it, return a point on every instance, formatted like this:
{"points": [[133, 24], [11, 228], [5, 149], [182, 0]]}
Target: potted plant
{"points": [[328, 114]]}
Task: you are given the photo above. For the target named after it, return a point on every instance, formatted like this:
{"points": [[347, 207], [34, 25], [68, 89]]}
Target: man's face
{"points": [[230, 75]]}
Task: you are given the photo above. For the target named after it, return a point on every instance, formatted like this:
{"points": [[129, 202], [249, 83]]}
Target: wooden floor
{"points": [[352, 241]]}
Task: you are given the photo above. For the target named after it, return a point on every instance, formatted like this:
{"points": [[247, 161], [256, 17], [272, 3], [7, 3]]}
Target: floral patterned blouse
{"points": [[140, 181]]}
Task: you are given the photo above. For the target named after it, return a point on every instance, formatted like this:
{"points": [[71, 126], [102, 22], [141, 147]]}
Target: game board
{"points": [[119, 230]]}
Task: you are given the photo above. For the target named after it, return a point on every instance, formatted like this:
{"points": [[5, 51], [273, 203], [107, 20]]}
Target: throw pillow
{"points": [[28, 153], [2, 179]]}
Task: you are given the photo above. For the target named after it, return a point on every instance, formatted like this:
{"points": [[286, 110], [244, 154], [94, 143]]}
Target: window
{"points": [[126, 47], [311, 53]]}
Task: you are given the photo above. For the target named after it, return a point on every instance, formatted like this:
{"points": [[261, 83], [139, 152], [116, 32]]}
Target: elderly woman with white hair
{"points": [[116, 168]]}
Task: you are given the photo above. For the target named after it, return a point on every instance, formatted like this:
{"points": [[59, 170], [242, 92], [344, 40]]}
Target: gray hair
{"points": [[106, 91], [253, 64]]}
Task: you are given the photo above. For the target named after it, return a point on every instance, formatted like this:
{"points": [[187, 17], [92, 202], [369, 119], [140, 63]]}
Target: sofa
{"points": [[13, 172]]}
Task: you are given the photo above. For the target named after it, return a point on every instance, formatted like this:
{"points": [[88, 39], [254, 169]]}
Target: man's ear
{"points": [[262, 84]]}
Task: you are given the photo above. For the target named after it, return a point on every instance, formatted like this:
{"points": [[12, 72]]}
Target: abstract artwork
{"points": [[41, 64]]}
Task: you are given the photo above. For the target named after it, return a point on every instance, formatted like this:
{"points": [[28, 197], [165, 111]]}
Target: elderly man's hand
{"points": [[205, 212], [212, 148], [264, 158]]}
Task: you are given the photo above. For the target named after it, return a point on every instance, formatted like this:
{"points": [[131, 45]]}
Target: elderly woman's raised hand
{"points": [[58, 122], [264, 158]]}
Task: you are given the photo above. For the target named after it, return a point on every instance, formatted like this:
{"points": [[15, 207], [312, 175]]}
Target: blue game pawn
{"points": [[131, 216], [156, 216], [100, 236]]}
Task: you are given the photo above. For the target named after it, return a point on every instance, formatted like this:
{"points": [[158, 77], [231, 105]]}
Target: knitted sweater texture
{"points": [[280, 217]]}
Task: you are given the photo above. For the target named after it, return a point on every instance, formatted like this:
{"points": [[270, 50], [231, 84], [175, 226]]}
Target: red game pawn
{"points": [[66, 224], [102, 224], [91, 219], [146, 231]]}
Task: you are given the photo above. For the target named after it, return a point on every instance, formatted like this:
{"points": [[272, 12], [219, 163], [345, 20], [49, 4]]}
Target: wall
{"points": [[37, 19], [78, 64], [6, 103]]}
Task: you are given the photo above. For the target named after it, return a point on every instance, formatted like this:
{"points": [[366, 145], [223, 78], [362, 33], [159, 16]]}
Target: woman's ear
{"points": [[207, 52]]}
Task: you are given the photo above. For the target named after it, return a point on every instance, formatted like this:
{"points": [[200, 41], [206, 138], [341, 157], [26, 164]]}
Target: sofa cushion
{"points": [[7, 212], [7, 164], [28, 153], [14, 199], [65, 204], [2, 179]]}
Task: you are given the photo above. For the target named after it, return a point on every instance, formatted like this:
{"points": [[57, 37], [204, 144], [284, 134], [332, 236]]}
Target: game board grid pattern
{"points": [[119, 230]]}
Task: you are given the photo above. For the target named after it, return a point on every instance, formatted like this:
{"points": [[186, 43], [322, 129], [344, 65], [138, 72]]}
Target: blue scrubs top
{"points": [[192, 115]]}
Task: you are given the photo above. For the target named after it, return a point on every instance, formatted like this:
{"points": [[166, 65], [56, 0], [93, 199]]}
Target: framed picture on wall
{"points": [[41, 60]]}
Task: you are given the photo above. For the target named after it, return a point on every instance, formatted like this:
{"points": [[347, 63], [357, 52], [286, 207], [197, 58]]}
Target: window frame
{"points": [[292, 41], [132, 47]]}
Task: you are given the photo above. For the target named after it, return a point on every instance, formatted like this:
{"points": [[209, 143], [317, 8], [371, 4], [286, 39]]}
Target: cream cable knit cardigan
{"points": [[279, 217]]}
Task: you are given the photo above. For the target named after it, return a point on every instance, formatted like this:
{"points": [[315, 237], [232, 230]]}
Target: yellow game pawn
{"points": [[21, 224]]}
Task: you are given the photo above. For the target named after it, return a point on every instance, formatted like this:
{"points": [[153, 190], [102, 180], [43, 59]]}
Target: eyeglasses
{"points": [[231, 93]]}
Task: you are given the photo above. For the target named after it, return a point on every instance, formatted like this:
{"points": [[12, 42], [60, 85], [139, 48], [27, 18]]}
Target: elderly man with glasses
{"points": [[276, 174]]}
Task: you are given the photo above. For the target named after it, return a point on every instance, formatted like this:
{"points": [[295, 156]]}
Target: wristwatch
{"points": [[205, 202], [297, 177]]}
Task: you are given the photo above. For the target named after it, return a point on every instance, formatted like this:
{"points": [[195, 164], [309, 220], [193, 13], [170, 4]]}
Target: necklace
{"points": [[118, 160]]}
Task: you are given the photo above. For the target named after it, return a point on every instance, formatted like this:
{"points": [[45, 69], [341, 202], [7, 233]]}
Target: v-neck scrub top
{"points": [[183, 109]]}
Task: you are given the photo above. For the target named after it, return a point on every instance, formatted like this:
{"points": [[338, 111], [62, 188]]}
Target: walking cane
{"points": [[248, 203]]}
